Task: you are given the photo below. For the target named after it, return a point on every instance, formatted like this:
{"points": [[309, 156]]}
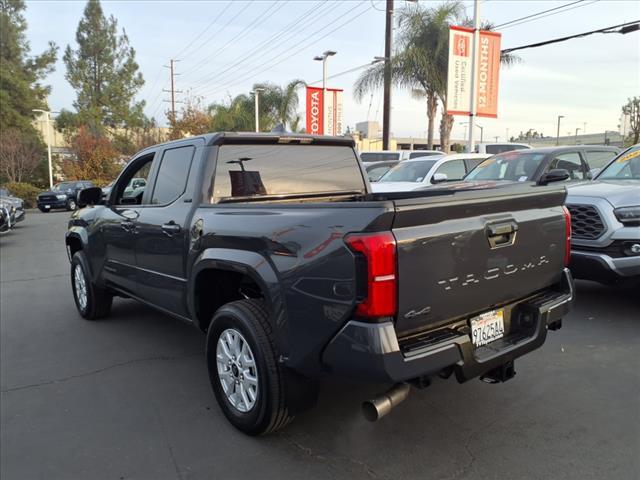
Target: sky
{"points": [[224, 47]]}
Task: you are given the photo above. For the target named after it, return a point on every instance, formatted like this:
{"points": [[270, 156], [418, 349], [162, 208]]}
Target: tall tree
{"points": [[104, 73], [21, 75], [20, 155], [632, 110]]}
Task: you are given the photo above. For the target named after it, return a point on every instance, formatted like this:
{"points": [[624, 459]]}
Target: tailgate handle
{"points": [[502, 234]]}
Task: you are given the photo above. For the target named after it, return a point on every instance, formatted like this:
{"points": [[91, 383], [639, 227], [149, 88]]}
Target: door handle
{"points": [[171, 228], [127, 225]]}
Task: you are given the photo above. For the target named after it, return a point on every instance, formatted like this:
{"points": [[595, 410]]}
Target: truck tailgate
{"points": [[465, 253]]}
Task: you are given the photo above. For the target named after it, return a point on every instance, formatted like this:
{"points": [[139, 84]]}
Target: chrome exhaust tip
{"points": [[378, 407]]}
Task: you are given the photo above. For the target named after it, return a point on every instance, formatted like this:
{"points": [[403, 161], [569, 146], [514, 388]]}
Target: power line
{"points": [[536, 14], [624, 28], [287, 33], [203, 32], [550, 14], [199, 64], [349, 20], [263, 17]]}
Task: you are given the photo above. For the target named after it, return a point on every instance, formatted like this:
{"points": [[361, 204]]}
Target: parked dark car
{"points": [[275, 247], [17, 203], [375, 170], [7, 216], [605, 221], [581, 161], [64, 195]]}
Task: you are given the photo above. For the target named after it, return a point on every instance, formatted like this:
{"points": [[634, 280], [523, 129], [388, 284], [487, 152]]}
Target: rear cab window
{"points": [[172, 175], [379, 156], [245, 172]]}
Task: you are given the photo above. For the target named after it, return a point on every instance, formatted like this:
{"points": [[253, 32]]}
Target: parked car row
{"points": [[11, 210], [64, 195]]}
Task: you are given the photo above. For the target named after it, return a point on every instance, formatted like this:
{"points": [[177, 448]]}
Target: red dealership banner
{"points": [[315, 122], [459, 72], [331, 122]]}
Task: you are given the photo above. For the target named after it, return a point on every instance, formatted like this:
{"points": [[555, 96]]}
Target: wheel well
{"points": [[216, 287], [75, 245]]}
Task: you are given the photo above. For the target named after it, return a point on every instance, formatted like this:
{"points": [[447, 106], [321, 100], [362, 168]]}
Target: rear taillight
{"points": [[567, 230], [379, 250]]}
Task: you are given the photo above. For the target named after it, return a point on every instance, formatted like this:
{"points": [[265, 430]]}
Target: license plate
{"points": [[47, 207], [487, 327]]}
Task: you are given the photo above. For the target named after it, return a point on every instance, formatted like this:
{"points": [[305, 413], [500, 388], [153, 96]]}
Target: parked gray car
{"points": [[605, 222], [12, 201]]}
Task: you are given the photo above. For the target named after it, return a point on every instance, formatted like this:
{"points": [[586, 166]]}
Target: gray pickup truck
{"points": [[275, 247]]}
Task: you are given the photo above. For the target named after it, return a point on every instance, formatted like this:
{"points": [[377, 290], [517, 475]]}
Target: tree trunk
{"points": [[432, 108]]}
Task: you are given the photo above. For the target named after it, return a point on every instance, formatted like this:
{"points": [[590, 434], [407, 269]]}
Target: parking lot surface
{"points": [[128, 397]]}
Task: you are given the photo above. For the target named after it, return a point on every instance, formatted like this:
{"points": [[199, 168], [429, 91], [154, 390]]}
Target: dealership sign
{"points": [[331, 122], [459, 72]]}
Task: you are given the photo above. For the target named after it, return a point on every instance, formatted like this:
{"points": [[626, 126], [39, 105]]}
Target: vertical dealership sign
{"points": [[459, 72], [331, 123]]}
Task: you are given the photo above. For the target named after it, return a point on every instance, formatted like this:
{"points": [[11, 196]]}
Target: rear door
{"points": [[466, 253], [162, 229]]}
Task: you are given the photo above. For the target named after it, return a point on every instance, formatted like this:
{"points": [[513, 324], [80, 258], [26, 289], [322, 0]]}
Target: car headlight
{"points": [[628, 215], [61, 197]]}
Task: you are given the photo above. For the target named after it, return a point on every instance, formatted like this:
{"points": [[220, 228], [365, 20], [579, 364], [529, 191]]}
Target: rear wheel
{"points": [[91, 301], [71, 204], [44, 210], [246, 377]]}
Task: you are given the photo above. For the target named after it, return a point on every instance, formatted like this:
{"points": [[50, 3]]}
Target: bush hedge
{"points": [[25, 191]]}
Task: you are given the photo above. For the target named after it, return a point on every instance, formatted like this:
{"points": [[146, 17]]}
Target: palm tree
{"points": [[420, 63]]}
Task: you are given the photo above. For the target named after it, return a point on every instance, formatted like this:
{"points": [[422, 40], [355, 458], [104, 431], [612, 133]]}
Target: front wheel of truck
{"points": [[92, 301], [247, 379]]}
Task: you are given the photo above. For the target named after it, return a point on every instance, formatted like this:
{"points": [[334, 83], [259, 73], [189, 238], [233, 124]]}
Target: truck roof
{"points": [[218, 138]]}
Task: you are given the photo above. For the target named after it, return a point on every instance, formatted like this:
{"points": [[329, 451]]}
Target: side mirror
{"points": [[89, 196], [555, 175], [439, 178]]}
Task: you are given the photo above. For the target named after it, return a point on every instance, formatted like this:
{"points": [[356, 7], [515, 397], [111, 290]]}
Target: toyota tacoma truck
{"points": [[275, 246]]}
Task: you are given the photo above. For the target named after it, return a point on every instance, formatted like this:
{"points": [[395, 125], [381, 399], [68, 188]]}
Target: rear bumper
{"points": [[603, 268], [372, 351], [52, 204]]}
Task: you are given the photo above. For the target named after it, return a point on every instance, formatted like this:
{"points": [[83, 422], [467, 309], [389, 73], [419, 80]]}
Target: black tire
{"points": [[251, 319], [71, 205], [98, 300]]}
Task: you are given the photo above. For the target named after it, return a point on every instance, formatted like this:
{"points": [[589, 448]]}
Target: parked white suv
{"points": [[421, 172], [397, 155]]}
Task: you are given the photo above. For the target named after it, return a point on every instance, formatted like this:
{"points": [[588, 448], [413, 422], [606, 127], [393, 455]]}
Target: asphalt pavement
{"points": [[128, 397]]}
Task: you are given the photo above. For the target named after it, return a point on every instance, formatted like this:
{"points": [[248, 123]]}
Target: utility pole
{"points": [[474, 74], [558, 132], [496, 138], [575, 141], [256, 94], [386, 99], [47, 116], [173, 90]]}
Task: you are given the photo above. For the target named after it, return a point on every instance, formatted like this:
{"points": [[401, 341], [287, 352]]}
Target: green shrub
{"points": [[25, 191]]}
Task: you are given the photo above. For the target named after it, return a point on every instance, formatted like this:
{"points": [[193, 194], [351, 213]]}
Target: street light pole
{"points": [[558, 132], [474, 74], [323, 58], [386, 96], [575, 141], [47, 115], [256, 94]]}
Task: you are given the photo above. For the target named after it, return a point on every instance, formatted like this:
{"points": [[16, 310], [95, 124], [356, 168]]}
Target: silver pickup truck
{"points": [[605, 222]]}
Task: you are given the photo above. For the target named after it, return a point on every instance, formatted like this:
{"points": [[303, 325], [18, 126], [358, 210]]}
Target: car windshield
{"points": [[61, 187], [625, 167], [408, 171], [517, 166]]}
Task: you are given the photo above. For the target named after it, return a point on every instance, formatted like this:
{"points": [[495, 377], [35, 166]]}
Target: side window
{"points": [[454, 170], [126, 194], [598, 158], [172, 175], [570, 162]]}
